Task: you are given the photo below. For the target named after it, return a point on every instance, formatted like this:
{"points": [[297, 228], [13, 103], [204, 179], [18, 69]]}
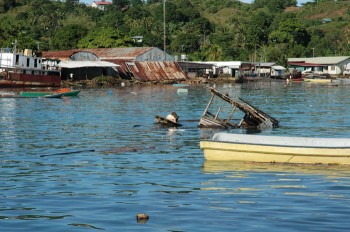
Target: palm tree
{"points": [[214, 52]]}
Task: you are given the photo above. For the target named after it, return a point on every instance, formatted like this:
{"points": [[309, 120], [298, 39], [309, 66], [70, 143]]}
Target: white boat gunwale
{"points": [[278, 149], [278, 145]]}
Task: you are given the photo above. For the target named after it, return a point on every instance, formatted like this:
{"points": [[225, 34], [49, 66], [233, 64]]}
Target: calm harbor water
{"points": [[91, 163]]}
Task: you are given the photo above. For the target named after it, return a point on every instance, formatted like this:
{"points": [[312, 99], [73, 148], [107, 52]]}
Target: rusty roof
{"points": [[129, 53], [60, 55], [150, 70]]}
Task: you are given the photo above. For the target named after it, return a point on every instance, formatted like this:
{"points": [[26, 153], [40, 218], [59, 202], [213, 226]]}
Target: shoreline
{"points": [[191, 81]]}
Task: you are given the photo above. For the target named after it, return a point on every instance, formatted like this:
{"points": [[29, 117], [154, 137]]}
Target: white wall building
{"points": [[24, 60], [100, 4], [327, 65]]}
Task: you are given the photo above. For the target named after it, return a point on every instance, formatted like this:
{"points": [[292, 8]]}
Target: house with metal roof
{"points": [[139, 63], [100, 4], [78, 65], [269, 69], [327, 65]]}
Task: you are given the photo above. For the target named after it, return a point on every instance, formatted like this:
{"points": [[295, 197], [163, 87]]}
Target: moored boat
{"points": [[317, 80], [40, 94], [26, 69], [65, 92], [277, 149]]}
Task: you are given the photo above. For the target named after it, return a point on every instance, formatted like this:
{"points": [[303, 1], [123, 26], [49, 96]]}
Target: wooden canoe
{"points": [[65, 93], [280, 149]]}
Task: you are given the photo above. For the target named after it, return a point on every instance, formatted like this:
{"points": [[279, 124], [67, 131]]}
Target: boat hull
{"points": [[35, 94], [245, 151], [70, 93], [317, 80]]}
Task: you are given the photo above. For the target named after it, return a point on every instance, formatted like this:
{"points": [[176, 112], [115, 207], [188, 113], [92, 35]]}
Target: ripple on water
{"points": [[94, 162]]}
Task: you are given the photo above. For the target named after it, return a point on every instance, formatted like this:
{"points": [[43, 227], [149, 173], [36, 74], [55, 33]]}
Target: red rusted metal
{"points": [[60, 55], [23, 80], [150, 71], [129, 53], [129, 67]]}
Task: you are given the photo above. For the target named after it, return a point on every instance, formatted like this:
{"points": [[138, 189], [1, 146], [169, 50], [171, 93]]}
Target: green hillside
{"points": [[267, 30]]}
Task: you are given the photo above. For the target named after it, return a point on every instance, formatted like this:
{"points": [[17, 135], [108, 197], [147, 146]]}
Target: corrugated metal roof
{"points": [[81, 64], [265, 64], [303, 64], [150, 70], [195, 65], [129, 53], [60, 55], [321, 60], [278, 67]]}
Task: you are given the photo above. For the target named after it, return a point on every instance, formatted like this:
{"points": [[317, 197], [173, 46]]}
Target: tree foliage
{"points": [[266, 30]]}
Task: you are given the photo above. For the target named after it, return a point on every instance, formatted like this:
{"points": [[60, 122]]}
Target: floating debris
{"points": [[142, 218], [166, 121], [182, 91]]}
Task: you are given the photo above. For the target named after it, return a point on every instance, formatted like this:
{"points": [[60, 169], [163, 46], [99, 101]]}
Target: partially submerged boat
{"points": [[253, 117], [165, 122], [276, 149]]}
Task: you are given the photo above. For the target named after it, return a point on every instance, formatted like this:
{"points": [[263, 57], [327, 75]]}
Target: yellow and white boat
{"points": [[278, 149]]}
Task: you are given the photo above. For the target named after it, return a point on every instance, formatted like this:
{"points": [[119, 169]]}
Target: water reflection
{"points": [[328, 171]]}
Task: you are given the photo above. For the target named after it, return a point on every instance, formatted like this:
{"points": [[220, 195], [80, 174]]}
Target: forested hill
{"points": [[266, 30]]}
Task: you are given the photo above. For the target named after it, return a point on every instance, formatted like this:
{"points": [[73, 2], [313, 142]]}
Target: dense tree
{"points": [[120, 4], [5, 5], [67, 37], [266, 30], [292, 32], [258, 29], [104, 38]]}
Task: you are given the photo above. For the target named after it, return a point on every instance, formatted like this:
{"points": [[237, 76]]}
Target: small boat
{"points": [[295, 80], [56, 95], [226, 146], [317, 80], [165, 122], [65, 92], [35, 94], [40, 94]]}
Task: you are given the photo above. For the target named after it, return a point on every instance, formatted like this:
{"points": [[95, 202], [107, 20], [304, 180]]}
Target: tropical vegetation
{"points": [[266, 30]]}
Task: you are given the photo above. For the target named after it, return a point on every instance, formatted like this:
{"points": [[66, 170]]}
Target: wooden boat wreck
{"points": [[165, 122], [253, 117], [276, 149]]}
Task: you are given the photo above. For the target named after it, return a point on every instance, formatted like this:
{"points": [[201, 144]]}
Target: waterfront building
{"points": [[332, 65]]}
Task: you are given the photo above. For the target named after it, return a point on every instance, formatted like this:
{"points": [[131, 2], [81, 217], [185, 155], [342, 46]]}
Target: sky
{"points": [[247, 1]]}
